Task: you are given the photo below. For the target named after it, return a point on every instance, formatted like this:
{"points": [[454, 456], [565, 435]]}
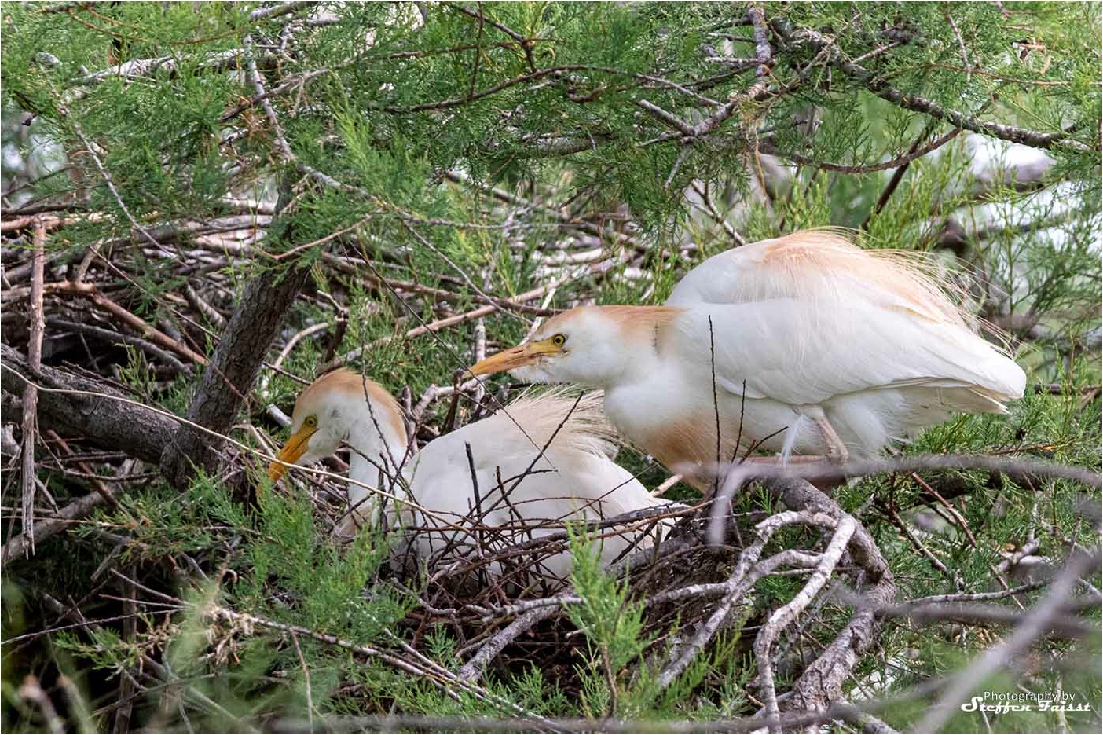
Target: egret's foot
{"points": [[824, 484]]}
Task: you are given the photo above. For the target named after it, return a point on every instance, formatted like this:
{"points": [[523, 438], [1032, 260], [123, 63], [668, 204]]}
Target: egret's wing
{"points": [[727, 278], [810, 316], [522, 495], [816, 265], [558, 444], [804, 352]]}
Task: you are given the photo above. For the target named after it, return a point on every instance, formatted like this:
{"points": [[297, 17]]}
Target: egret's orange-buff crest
{"points": [[803, 344]]}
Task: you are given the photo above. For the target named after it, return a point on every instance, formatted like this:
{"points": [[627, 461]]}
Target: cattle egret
{"points": [[537, 463], [804, 344]]}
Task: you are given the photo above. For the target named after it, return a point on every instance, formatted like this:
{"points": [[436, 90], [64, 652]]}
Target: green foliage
{"points": [[613, 628], [395, 101]]}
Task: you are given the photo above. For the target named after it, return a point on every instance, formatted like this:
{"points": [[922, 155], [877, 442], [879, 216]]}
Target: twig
{"points": [[348, 266], [976, 596], [119, 338], [767, 146], [763, 53], [881, 88], [19, 545], [1000, 655], [28, 484], [298, 337], [898, 174], [103, 303], [917, 543], [958, 518], [961, 44], [447, 682], [475, 665], [274, 11], [64, 112], [1017, 556], [820, 686], [711, 210], [524, 43], [434, 326], [200, 305], [670, 119], [97, 484], [127, 683], [443, 256], [665, 485], [306, 681]]}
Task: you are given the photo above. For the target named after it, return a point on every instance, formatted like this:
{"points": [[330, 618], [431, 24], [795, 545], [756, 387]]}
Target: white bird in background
{"points": [[804, 344], [537, 463]]}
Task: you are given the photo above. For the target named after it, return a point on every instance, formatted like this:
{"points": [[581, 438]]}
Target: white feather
{"points": [[565, 450], [538, 463]]}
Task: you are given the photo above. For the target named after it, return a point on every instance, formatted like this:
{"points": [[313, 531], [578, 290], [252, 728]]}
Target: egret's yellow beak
{"points": [[292, 450], [515, 357]]}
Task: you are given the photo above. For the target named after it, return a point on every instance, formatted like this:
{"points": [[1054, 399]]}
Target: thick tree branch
{"points": [[95, 409], [28, 480], [885, 91], [232, 371]]}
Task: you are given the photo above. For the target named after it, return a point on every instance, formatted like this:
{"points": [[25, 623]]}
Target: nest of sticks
{"points": [[496, 599]]}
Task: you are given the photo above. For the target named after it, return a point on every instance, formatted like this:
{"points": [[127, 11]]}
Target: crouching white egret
{"points": [[803, 344], [515, 476]]}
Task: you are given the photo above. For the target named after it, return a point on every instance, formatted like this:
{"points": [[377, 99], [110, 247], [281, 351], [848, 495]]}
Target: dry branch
{"points": [[473, 669], [80, 406], [28, 478], [820, 685], [24, 543]]}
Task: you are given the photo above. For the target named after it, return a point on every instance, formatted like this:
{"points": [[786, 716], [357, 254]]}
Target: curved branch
{"points": [[882, 89]]}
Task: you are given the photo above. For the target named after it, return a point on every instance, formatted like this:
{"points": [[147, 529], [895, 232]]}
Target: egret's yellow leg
{"points": [[836, 450]]}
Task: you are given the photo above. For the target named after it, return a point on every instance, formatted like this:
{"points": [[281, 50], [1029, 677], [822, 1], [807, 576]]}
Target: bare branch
{"points": [[1002, 654]]}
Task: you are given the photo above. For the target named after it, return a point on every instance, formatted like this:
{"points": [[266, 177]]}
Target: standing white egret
{"points": [[803, 344]]}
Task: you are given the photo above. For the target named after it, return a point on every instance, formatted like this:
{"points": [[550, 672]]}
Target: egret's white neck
{"points": [[378, 444]]}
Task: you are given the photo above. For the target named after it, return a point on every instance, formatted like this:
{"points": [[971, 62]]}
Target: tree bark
{"points": [[114, 420], [232, 370], [230, 374]]}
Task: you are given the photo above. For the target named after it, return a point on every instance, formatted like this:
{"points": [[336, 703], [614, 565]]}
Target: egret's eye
{"points": [[311, 422], [559, 340]]}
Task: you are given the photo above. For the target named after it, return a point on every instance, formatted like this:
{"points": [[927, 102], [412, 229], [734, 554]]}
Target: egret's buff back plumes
{"points": [[557, 419], [803, 344], [510, 478], [821, 263]]}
